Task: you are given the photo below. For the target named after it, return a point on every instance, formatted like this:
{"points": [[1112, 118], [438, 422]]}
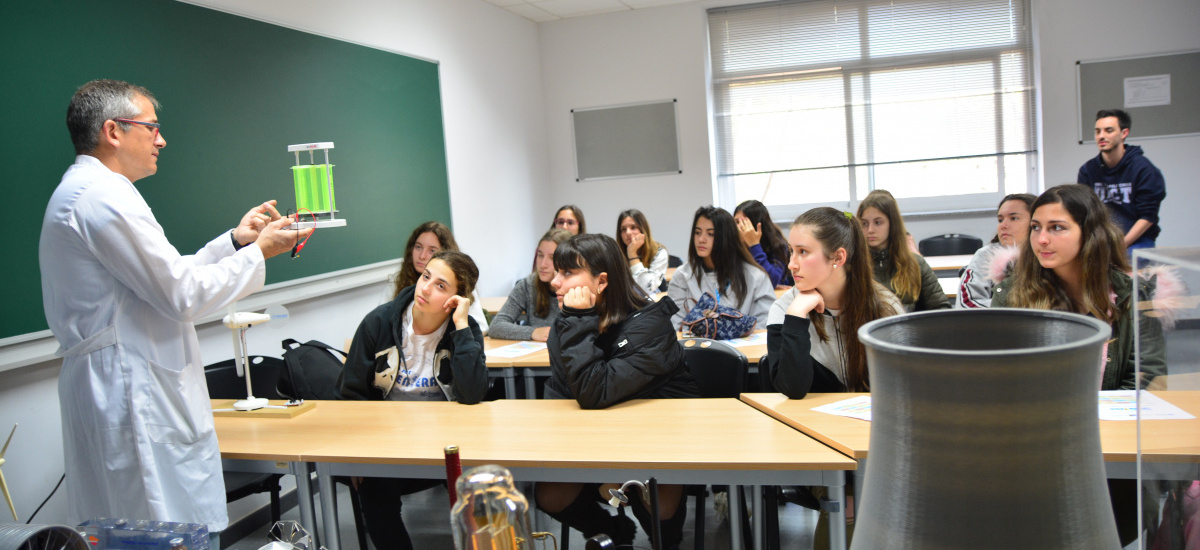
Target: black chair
{"points": [[951, 244], [721, 371], [224, 383]]}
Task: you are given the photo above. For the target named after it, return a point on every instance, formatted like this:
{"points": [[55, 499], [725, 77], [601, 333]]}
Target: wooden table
{"points": [[949, 286], [252, 443], [537, 364], [679, 441], [502, 367], [1173, 446], [949, 263]]}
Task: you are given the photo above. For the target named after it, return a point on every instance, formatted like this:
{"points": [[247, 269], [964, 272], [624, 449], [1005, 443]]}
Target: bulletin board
{"points": [[1108, 84], [626, 141]]}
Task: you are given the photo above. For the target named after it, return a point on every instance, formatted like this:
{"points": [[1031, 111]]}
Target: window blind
{"points": [[821, 101]]}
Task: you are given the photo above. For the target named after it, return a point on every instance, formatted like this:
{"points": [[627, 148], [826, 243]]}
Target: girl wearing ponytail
{"points": [[812, 329]]}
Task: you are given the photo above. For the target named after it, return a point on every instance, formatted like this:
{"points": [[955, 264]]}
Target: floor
{"points": [[426, 516]]}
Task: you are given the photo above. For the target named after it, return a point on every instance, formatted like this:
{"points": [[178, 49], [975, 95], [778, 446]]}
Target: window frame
{"points": [[865, 67]]}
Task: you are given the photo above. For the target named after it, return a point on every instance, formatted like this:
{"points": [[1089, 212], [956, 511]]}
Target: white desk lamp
{"points": [[240, 322]]}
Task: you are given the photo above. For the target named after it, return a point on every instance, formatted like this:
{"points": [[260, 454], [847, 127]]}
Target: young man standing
{"points": [[1125, 180]]}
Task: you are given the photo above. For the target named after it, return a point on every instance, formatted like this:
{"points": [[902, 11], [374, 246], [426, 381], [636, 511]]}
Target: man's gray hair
{"points": [[98, 101]]}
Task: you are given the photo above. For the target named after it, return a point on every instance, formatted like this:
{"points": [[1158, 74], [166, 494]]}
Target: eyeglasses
{"points": [[152, 125]]}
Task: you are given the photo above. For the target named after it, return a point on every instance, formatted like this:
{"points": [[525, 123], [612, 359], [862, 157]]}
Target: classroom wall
{"points": [[657, 53], [631, 57]]}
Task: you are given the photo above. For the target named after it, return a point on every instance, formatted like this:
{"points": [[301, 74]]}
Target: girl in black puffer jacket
{"points": [[610, 344]]}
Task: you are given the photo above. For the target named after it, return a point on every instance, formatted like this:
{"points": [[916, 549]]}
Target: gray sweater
{"points": [[685, 291], [516, 319]]}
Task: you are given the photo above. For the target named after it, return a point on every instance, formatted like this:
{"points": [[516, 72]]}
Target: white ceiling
{"points": [[549, 10]]}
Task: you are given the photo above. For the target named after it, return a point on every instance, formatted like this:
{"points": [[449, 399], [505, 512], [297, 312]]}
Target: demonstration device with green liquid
{"points": [[314, 187]]}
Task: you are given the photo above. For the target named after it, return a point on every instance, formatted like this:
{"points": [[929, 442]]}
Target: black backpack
{"points": [[310, 371]]}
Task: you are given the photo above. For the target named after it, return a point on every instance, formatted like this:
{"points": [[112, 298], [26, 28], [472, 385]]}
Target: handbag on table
{"points": [[708, 319]]}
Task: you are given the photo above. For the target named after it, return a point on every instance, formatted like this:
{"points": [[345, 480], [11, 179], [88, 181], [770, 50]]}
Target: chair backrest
{"points": [[224, 383], [719, 368], [951, 244], [674, 261]]}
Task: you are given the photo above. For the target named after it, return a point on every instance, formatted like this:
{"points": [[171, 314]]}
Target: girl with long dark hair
{"points": [[609, 345], [719, 264], [764, 240]]}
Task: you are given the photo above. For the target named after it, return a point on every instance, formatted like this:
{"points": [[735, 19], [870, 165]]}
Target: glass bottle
{"points": [[490, 513]]}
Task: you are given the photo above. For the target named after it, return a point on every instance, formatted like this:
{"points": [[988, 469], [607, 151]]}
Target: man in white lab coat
{"points": [[137, 430]]}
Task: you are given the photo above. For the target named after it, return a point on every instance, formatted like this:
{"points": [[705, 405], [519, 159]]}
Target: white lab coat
{"points": [[137, 427]]}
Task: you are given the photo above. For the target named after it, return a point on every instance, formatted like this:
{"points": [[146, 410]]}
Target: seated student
{"points": [[1075, 261], [647, 257], [812, 330], [1012, 230], [765, 240], [610, 344], [719, 264], [532, 305], [407, 350], [425, 241], [569, 217], [904, 273]]}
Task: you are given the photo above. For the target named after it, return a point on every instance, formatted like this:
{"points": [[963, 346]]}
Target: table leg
{"points": [[302, 471], [859, 476], [530, 386], [757, 515], [510, 383], [333, 537], [837, 518], [735, 519]]}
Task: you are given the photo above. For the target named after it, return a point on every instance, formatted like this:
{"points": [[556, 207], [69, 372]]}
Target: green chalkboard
{"points": [[235, 93]]}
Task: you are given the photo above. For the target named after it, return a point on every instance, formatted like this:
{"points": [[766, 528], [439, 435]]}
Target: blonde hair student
{"points": [[647, 258], [532, 305], [905, 273]]}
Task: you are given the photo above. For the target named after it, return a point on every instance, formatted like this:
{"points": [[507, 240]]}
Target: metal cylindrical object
{"points": [[985, 432], [37, 537]]}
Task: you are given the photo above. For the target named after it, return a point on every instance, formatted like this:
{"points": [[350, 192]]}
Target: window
{"points": [[818, 102]]}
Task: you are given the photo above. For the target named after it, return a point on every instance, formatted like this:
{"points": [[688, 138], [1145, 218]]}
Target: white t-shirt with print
{"points": [[415, 377]]}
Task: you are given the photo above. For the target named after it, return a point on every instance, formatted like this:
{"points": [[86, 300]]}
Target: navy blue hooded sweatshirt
{"points": [[1132, 189]]}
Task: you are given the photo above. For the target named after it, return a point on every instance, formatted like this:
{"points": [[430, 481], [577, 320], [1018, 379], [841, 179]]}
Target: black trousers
{"points": [[380, 499]]}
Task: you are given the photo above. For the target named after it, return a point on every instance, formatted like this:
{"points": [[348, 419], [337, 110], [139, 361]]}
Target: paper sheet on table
{"points": [[756, 339], [855, 407], [1122, 405], [518, 349]]}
